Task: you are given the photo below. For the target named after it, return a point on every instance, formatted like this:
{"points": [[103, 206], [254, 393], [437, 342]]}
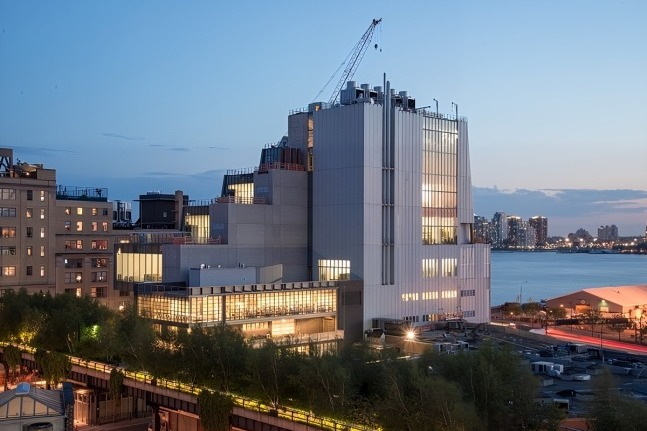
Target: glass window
{"points": [[99, 276], [42, 232], [7, 250], [334, 270], [7, 212], [42, 195], [8, 271], [74, 244], [29, 231], [101, 244], [100, 263], [68, 210], [104, 226], [42, 251], [95, 211], [42, 270], [104, 211], [79, 211], [79, 226], [8, 232], [68, 225], [42, 213], [74, 263], [30, 195], [30, 269], [30, 250], [7, 194], [94, 226], [29, 212]]}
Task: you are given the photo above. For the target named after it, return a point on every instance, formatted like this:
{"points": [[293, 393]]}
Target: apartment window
{"points": [[79, 226], [9, 250], [98, 292], [42, 213], [42, 232], [74, 244], [429, 268], [30, 250], [30, 195], [74, 263], [104, 211], [469, 313], [29, 212], [79, 211], [8, 194], [449, 267], [42, 270], [30, 231], [95, 211], [30, 270], [74, 291], [8, 232], [94, 226], [470, 292], [7, 212], [73, 277], [101, 244], [104, 226], [99, 276], [42, 195], [42, 251], [68, 225], [68, 210], [100, 263], [8, 271]]}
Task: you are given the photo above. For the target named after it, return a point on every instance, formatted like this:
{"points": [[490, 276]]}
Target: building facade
{"points": [[540, 225]]}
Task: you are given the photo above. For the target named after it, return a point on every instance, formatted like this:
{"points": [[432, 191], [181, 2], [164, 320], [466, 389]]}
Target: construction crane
{"points": [[352, 61]]}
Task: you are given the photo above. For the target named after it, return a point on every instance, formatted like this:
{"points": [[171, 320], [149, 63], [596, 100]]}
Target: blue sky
{"points": [[159, 95]]}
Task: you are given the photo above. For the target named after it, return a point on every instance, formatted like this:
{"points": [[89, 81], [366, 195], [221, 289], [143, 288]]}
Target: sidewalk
{"points": [[114, 425]]}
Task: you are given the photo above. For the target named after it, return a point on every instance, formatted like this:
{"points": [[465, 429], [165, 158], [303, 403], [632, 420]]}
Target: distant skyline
{"points": [[158, 95]]}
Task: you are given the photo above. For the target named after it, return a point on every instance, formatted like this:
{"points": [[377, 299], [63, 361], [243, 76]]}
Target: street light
{"points": [[436, 106]]}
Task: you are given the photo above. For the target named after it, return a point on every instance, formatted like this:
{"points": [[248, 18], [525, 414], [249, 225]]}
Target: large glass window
{"points": [[7, 212], [334, 270], [101, 244], [7, 194], [8, 271], [439, 181], [9, 250], [139, 266], [429, 268], [74, 244], [7, 232]]}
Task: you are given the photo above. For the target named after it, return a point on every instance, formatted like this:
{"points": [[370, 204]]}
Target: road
{"points": [[595, 341]]}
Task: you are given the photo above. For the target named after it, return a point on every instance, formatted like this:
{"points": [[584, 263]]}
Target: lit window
{"points": [[334, 270], [429, 268], [30, 250], [95, 211], [42, 213], [94, 226], [9, 232], [104, 225], [42, 232], [42, 195], [42, 270], [8, 271], [79, 226], [7, 194], [79, 211], [68, 225], [101, 244], [30, 212], [42, 251], [68, 210]]}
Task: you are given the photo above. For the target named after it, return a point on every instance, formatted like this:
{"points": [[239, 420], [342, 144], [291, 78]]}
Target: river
{"points": [[544, 275]]}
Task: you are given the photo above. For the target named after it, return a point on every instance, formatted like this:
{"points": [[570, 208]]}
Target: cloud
{"points": [[127, 138], [37, 151], [179, 149]]}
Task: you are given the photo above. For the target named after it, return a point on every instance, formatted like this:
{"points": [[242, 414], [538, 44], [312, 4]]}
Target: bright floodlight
{"points": [[410, 335]]}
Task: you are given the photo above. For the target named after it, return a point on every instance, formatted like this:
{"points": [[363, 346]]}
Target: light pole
{"points": [[456, 110], [436, 107]]}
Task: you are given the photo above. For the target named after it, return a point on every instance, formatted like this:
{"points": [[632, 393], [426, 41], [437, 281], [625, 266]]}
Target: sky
{"points": [[167, 95]]}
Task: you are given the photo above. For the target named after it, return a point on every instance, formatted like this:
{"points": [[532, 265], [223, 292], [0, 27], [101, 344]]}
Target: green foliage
{"points": [[54, 366], [115, 383], [13, 357], [215, 410], [613, 411]]}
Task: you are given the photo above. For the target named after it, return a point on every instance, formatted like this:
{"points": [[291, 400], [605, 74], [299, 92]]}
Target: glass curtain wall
{"points": [[439, 181]]}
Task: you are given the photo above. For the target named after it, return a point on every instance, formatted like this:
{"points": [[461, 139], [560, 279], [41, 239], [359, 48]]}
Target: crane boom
{"points": [[355, 59]]}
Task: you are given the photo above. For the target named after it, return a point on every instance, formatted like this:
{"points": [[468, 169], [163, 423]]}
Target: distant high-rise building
{"points": [[515, 226], [608, 233], [499, 235], [540, 225], [482, 230]]}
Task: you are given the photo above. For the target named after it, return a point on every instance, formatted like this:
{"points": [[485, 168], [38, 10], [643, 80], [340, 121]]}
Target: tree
{"points": [[592, 317], [13, 357], [115, 384], [215, 410], [531, 309], [229, 354], [618, 323], [54, 366], [610, 410]]}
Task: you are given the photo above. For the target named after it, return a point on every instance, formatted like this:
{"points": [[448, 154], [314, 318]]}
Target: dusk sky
{"points": [[159, 95]]}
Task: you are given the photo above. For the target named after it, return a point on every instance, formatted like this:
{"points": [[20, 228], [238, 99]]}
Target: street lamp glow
{"points": [[411, 335]]}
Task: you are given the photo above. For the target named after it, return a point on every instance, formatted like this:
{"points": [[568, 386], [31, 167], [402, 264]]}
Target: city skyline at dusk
{"points": [[155, 96]]}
